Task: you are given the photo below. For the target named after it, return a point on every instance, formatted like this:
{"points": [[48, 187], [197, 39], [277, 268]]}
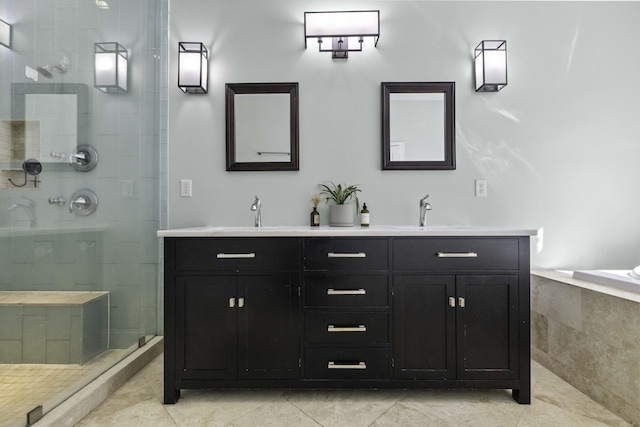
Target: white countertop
{"points": [[357, 231]]}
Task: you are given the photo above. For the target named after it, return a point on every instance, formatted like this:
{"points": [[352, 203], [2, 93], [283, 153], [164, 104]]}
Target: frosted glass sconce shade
{"points": [[491, 65], [111, 62], [193, 67], [5, 34], [346, 30]]}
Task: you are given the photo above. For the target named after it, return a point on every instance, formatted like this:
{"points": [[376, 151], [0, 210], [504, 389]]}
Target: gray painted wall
{"points": [[559, 146]]}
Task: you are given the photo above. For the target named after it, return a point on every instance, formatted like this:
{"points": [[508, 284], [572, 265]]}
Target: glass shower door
{"points": [[79, 186]]}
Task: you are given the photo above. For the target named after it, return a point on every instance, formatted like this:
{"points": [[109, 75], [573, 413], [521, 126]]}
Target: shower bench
{"points": [[61, 327]]}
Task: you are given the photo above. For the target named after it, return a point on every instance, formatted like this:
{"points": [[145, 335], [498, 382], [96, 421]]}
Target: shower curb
{"points": [[72, 410]]}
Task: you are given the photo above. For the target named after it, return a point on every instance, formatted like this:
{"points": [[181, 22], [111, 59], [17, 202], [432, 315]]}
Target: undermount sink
{"points": [[430, 227]]}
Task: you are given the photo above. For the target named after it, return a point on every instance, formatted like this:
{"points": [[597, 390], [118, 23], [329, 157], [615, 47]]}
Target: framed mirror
{"points": [[54, 118], [262, 126], [418, 125]]}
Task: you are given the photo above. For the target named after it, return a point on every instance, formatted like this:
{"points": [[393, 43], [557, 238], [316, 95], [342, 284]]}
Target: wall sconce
{"points": [[5, 34], [111, 61], [491, 65], [193, 67], [346, 30]]}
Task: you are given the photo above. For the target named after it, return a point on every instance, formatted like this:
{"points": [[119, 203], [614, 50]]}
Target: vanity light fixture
{"points": [[193, 67], [111, 61], [491, 65], [347, 30], [5, 34]]}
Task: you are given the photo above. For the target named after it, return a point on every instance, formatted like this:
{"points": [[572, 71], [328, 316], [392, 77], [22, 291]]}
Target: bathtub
{"points": [[588, 333], [619, 279]]}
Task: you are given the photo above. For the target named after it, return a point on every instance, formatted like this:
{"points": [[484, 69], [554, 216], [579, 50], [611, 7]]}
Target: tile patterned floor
{"points": [[25, 386], [555, 403]]}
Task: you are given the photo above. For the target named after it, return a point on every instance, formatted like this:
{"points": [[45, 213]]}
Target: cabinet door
{"points": [[487, 326], [206, 327], [268, 327], [424, 327]]}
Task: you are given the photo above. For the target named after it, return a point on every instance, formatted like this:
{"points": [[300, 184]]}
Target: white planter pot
{"points": [[341, 215]]}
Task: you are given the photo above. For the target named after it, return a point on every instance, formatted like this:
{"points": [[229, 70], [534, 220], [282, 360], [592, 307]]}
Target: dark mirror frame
{"points": [[19, 92], [448, 89], [262, 88]]}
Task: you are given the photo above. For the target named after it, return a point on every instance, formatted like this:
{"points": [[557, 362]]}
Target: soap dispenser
{"points": [[364, 216]]}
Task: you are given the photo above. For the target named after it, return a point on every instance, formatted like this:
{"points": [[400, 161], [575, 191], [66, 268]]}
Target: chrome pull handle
{"points": [[461, 302], [359, 328], [361, 291], [359, 365], [232, 302], [346, 255], [240, 302], [223, 255], [457, 255], [452, 302]]}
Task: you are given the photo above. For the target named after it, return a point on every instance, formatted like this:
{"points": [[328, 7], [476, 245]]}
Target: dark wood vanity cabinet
{"points": [[461, 312], [347, 312], [231, 312], [456, 327], [237, 327], [346, 309]]}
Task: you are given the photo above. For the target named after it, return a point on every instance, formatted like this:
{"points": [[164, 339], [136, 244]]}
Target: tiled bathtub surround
{"points": [[591, 339], [53, 327]]}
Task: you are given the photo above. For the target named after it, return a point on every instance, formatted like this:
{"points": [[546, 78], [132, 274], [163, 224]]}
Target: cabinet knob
{"points": [[452, 302], [461, 302], [232, 302]]}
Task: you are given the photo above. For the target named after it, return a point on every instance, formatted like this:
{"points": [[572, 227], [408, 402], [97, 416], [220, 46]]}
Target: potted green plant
{"points": [[341, 212]]}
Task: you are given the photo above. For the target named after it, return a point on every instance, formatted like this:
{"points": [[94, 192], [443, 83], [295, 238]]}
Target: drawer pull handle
{"points": [[222, 255], [232, 302], [359, 328], [359, 365], [457, 255], [331, 291], [346, 255], [452, 302]]}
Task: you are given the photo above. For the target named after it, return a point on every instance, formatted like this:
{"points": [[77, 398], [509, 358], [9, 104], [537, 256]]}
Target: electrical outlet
{"points": [[185, 188], [481, 188]]}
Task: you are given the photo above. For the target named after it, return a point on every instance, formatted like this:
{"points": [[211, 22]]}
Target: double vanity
{"points": [[381, 307]]}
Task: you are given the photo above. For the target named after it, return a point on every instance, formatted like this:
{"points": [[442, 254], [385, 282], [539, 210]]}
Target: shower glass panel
{"points": [[79, 196]]}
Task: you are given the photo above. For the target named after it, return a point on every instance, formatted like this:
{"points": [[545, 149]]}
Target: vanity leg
{"points": [[171, 396], [522, 396]]}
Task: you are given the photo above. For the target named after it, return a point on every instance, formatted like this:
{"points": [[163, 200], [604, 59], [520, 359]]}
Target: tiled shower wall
{"points": [[114, 249]]}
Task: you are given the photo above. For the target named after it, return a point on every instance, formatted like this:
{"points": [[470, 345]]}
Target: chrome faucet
{"points": [[424, 207], [28, 205], [255, 207]]}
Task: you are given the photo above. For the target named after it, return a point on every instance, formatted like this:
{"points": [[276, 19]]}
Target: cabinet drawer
{"points": [[329, 327], [265, 254], [446, 254], [351, 254], [346, 363], [346, 291]]}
